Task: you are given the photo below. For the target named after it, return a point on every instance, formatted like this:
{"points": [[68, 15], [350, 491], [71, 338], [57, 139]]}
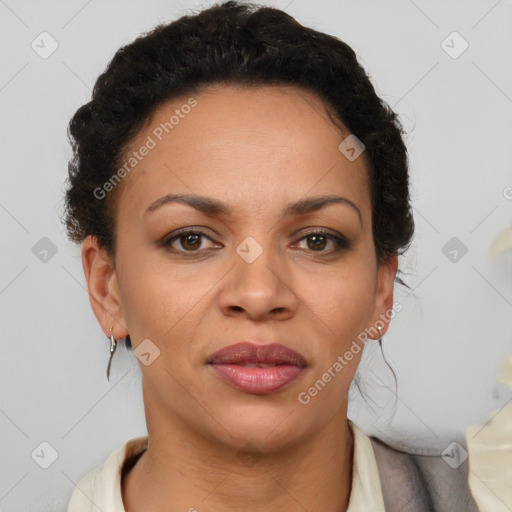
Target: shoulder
{"points": [[101, 487], [417, 483], [86, 491]]}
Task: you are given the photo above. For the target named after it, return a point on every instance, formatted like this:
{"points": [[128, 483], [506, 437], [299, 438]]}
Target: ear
{"points": [[103, 288], [384, 297]]}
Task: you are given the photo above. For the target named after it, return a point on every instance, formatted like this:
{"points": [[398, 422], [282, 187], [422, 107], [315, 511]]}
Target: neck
{"points": [[187, 472]]}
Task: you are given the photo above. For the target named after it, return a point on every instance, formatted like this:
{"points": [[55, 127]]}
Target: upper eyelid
{"points": [[201, 230]]}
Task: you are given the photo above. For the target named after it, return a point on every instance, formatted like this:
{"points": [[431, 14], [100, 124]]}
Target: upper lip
{"points": [[245, 352]]}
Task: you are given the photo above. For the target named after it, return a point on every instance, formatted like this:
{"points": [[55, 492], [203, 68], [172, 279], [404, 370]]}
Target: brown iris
{"points": [[316, 241], [191, 240]]}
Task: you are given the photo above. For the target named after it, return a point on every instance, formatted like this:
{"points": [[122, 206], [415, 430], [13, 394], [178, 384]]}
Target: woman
{"points": [[241, 195]]}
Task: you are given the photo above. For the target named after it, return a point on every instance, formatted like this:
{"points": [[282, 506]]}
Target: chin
{"points": [[269, 426]]}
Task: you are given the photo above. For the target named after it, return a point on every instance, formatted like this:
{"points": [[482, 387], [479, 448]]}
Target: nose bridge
{"points": [[251, 250], [257, 285], [257, 263]]}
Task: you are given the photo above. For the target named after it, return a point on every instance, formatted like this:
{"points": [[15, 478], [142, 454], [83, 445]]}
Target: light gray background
{"points": [[447, 343]]}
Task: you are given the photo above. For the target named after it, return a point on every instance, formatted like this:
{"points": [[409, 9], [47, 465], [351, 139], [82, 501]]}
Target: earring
{"points": [[380, 336], [113, 346]]}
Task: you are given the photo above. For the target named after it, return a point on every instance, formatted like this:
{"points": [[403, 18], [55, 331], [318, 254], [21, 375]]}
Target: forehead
{"points": [[249, 145]]}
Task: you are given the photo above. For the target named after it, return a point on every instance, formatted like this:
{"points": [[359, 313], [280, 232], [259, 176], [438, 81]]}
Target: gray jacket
{"points": [[421, 483]]}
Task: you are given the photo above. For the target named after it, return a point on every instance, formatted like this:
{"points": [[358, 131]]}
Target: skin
{"points": [[256, 149]]}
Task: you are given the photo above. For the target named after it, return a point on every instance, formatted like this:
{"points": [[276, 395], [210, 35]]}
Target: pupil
{"points": [[318, 242], [194, 238]]}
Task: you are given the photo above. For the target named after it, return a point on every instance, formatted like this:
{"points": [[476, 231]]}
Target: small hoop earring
{"points": [[379, 338], [113, 346]]}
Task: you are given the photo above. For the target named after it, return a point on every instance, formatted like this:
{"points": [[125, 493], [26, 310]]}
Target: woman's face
{"points": [[257, 272]]}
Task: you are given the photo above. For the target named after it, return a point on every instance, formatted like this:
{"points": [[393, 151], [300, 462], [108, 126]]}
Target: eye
{"points": [[317, 241], [186, 240], [189, 240]]}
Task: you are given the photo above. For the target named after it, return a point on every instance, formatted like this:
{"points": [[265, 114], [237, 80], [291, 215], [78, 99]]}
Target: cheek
{"points": [[338, 314], [339, 302], [350, 310], [158, 297]]}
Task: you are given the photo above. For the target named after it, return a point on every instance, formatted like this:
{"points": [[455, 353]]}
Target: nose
{"points": [[258, 289]]}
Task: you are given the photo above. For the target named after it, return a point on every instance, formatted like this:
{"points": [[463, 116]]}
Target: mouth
{"points": [[257, 369]]}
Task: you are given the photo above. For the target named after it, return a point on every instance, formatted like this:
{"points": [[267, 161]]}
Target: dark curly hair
{"points": [[241, 43]]}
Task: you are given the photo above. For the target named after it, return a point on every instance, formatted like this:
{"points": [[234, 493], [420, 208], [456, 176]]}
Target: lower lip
{"points": [[255, 380]]}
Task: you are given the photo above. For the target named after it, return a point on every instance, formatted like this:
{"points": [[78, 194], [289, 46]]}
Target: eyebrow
{"points": [[211, 206]]}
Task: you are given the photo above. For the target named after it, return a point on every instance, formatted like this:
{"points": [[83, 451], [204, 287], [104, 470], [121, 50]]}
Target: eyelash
{"points": [[341, 243]]}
